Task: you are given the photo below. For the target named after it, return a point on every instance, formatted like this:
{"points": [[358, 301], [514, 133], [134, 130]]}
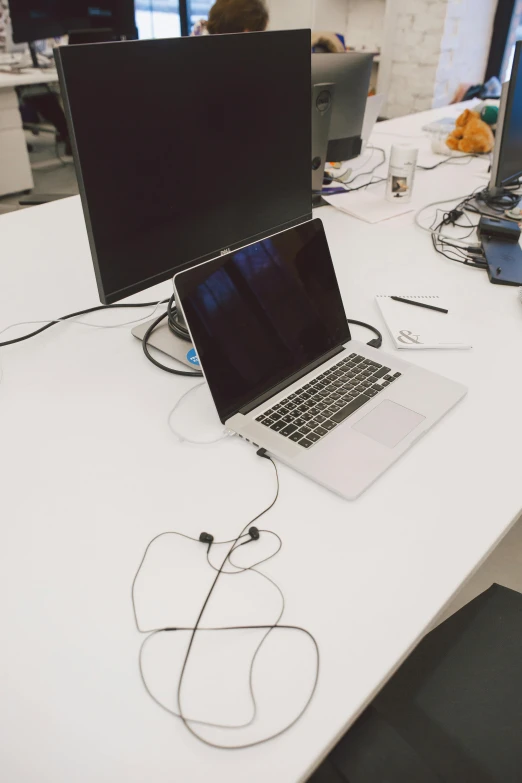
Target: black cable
{"points": [[75, 315], [269, 628], [144, 344], [448, 161], [377, 341]]}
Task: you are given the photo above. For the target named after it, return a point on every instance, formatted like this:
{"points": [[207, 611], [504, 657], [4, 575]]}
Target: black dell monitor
{"points": [[186, 148], [34, 20], [507, 158]]}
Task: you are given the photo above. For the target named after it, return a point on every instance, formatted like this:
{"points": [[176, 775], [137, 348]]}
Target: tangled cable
{"points": [[251, 534]]}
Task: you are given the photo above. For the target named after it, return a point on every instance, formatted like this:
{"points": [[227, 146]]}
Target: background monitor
{"points": [[34, 20], [186, 148], [350, 72], [507, 157]]}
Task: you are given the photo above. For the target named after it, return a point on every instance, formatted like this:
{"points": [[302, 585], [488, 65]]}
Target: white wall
{"points": [[430, 47], [464, 47], [365, 23], [331, 15], [290, 14]]}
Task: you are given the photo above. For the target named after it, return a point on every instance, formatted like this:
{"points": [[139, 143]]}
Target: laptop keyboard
{"points": [[313, 411]]}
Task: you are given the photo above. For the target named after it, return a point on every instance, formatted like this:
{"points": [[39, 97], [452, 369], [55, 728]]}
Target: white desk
{"points": [[15, 168], [90, 473]]}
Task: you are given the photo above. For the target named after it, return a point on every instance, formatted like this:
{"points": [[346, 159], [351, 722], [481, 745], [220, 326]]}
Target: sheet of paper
{"points": [[370, 206]]}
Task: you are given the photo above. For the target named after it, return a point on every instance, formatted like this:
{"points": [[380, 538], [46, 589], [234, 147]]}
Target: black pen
{"points": [[418, 304]]}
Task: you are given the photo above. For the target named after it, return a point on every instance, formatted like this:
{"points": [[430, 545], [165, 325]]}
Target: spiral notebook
{"points": [[418, 328]]}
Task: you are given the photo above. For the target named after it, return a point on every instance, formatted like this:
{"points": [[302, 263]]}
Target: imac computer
{"points": [[340, 85], [507, 157], [186, 148]]}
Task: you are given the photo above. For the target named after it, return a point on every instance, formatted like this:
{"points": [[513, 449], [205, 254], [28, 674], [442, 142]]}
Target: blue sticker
{"points": [[192, 357]]}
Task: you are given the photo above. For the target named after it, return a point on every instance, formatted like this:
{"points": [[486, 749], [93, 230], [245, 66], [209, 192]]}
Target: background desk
{"points": [[90, 473], [15, 169]]}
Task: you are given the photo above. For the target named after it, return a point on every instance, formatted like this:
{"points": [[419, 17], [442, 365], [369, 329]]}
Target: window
{"points": [[199, 9], [158, 18], [169, 18]]}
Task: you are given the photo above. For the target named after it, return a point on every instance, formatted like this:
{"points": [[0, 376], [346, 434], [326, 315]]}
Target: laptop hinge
{"points": [[288, 381]]}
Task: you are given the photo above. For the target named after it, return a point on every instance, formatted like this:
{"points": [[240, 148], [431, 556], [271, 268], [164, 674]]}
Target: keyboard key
{"points": [[261, 418], [307, 417], [389, 378], [352, 356], [319, 419], [386, 383], [357, 359], [295, 437], [320, 431], [304, 430], [382, 372], [370, 392], [299, 422], [305, 443], [397, 375], [329, 425], [276, 407], [313, 437], [267, 423], [377, 387], [352, 406], [277, 426], [334, 409], [288, 419], [288, 430]]}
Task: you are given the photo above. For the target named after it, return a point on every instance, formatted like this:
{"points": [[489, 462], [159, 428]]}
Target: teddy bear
{"points": [[471, 134]]}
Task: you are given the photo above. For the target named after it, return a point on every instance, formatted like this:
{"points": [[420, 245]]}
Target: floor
{"points": [[50, 174], [503, 566]]}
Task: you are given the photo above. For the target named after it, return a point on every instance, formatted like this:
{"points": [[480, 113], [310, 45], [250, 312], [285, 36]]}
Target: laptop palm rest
{"points": [[389, 423]]}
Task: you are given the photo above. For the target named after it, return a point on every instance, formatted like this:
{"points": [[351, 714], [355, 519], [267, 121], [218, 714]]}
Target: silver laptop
{"points": [[270, 330]]}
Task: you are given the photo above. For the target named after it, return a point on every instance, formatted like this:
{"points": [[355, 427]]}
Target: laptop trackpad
{"points": [[389, 423]]}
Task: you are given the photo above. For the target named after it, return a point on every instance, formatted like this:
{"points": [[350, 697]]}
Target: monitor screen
{"points": [[263, 313], [510, 139], [186, 148], [34, 20]]}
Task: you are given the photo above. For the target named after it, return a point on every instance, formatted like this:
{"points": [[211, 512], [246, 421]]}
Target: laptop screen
{"points": [[260, 314]]}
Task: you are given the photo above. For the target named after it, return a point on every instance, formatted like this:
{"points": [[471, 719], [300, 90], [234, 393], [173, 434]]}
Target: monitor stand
{"points": [[166, 341], [322, 104], [34, 55]]}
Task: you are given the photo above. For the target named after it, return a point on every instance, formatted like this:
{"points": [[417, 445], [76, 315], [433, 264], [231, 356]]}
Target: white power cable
{"points": [[184, 438]]}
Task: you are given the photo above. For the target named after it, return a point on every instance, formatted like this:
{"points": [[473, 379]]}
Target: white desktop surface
{"points": [[91, 472], [28, 76]]}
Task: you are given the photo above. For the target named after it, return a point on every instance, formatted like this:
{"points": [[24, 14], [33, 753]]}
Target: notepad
{"points": [[418, 328]]}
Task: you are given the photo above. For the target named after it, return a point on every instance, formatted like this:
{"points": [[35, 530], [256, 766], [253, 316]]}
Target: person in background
{"points": [[234, 16]]}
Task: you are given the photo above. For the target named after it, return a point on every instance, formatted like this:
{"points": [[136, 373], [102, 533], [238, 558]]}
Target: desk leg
{"points": [[15, 168]]}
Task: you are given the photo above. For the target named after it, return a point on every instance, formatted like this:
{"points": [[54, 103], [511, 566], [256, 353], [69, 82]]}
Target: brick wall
{"points": [[464, 46], [365, 23], [290, 14], [430, 47]]}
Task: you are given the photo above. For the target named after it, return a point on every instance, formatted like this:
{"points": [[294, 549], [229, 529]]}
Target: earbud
{"points": [[206, 538], [254, 533]]}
